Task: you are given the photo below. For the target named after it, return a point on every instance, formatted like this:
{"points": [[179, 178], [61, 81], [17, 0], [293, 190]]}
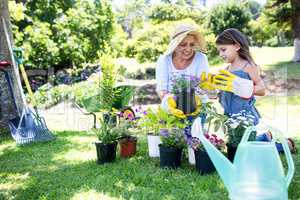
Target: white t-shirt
{"points": [[165, 70]]}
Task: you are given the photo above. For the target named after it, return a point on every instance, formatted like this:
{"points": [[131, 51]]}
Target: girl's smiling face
{"points": [[229, 52]]}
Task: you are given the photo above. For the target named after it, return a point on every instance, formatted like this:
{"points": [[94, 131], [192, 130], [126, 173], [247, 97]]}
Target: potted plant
{"points": [[152, 122], [127, 141], [149, 122], [204, 164], [235, 127], [212, 119], [108, 92], [170, 149], [183, 88], [107, 144]]}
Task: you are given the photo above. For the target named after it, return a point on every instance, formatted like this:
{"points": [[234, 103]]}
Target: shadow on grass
{"points": [[136, 178], [293, 69]]}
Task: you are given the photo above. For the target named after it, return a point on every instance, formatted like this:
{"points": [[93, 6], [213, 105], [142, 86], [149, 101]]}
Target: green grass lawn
{"points": [[66, 169]]}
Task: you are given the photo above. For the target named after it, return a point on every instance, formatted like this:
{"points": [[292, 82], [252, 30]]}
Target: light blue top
{"points": [[165, 69], [233, 104]]}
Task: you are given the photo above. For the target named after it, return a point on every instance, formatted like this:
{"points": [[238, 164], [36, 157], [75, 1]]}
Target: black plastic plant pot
{"points": [[231, 152], [106, 153], [170, 157], [203, 164], [186, 102]]}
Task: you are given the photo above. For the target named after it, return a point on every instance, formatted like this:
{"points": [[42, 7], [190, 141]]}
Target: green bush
{"points": [[41, 51], [48, 95], [229, 15], [153, 40], [149, 42], [265, 33], [172, 12], [62, 33]]}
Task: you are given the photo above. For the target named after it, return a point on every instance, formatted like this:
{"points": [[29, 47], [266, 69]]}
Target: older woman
{"points": [[184, 56]]}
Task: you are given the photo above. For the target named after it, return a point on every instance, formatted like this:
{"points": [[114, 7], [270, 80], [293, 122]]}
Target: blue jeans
{"points": [[264, 138]]}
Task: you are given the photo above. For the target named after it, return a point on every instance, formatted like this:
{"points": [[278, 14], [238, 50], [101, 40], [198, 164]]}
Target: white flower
{"points": [[234, 125], [246, 123], [242, 118]]}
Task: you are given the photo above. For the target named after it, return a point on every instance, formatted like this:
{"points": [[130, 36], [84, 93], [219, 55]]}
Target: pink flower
{"points": [[206, 135]]}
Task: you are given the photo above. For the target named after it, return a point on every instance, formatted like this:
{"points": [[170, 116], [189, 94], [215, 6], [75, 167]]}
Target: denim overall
{"points": [[233, 104]]}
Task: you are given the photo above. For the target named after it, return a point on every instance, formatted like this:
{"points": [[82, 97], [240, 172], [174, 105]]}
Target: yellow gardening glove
{"points": [[229, 82], [173, 108], [206, 81], [198, 106], [169, 105], [224, 80]]}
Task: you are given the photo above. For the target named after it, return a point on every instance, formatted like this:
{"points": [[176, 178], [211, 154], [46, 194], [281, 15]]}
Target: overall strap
{"points": [[245, 65]]}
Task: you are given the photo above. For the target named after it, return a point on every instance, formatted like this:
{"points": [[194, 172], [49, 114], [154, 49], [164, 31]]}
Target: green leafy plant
{"points": [[153, 121], [107, 82], [105, 133], [124, 128], [212, 116], [183, 82], [173, 137]]}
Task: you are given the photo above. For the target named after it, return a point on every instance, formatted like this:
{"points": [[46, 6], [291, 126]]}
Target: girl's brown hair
{"points": [[234, 36]]}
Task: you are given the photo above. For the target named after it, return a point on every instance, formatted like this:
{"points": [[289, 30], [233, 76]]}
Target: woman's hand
{"points": [[169, 104]]}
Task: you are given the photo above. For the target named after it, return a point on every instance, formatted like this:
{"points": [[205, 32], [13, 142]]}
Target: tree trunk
{"points": [[297, 50], [296, 28], [4, 13], [7, 108]]}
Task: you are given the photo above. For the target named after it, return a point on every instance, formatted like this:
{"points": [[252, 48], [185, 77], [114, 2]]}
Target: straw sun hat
{"points": [[181, 31]]}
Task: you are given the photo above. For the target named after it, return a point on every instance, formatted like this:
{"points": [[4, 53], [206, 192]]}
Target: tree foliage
{"points": [[132, 15], [229, 15], [62, 33], [173, 12], [153, 40]]}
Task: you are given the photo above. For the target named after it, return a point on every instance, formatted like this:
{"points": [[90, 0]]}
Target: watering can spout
{"points": [[223, 166]]}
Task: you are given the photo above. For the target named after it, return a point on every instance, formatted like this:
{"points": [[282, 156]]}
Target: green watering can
{"points": [[256, 172]]}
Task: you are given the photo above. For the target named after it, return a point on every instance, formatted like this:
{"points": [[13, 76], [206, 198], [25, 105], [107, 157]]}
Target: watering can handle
{"points": [[247, 133], [288, 155]]}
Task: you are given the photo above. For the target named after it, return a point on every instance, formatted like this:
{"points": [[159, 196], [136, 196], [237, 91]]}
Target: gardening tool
{"points": [[256, 172], [29, 127]]}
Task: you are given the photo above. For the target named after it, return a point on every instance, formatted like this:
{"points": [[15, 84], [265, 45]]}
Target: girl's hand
{"points": [[206, 81], [229, 82]]}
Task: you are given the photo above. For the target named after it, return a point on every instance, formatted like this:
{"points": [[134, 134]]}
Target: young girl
{"points": [[241, 80], [242, 74]]}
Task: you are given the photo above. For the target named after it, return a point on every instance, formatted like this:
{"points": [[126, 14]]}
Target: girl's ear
{"points": [[237, 47]]}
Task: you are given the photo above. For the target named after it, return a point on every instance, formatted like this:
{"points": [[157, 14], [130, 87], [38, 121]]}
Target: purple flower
{"points": [[164, 132]]}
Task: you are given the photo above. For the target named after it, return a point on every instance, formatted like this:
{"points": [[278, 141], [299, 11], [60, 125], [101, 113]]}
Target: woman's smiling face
{"points": [[186, 47]]}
